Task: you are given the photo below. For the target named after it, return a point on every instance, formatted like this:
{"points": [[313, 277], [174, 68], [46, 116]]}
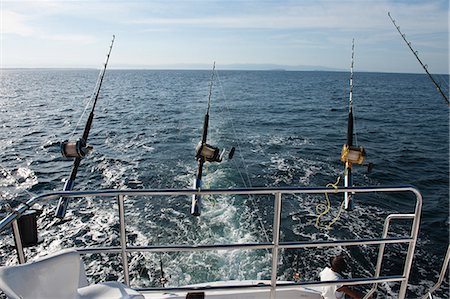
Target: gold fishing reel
{"points": [[353, 154]]}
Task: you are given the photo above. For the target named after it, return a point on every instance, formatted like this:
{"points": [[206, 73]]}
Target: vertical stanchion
{"points": [[441, 275], [276, 242], [386, 225], [18, 242], [123, 239], [412, 245]]}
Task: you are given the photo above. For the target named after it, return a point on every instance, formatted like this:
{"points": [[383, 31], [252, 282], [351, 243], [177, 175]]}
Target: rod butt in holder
{"points": [[62, 207], [196, 205], [348, 182], [348, 204], [63, 202]]}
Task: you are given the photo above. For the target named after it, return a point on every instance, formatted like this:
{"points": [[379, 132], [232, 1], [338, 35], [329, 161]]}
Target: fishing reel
{"points": [[208, 152], [353, 154], [211, 153], [75, 149]]}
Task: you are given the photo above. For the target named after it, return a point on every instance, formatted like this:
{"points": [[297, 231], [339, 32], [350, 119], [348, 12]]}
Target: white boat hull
{"points": [[294, 292]]}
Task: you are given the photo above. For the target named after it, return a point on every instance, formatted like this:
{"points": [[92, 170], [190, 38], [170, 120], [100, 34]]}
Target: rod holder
{"points": [[196, 205], [63, 202]]}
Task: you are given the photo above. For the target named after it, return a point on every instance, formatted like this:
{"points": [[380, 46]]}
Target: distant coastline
{"points": [[199, 66], [208, 68]]}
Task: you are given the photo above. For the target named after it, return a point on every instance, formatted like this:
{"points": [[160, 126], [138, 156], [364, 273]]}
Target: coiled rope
{"points": [[327, 207]]}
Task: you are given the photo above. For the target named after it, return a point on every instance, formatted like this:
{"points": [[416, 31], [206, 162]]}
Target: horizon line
{"points": [[208, 69]]}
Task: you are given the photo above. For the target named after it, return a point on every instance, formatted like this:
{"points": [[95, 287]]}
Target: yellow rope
{"points": [[337, 216], [327, 207]]}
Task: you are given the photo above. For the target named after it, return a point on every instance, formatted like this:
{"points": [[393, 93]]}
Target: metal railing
{"points": [[429, 294], [275, 245]]}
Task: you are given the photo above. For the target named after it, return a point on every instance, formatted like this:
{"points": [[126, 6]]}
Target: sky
{"points": [[248, 34]]}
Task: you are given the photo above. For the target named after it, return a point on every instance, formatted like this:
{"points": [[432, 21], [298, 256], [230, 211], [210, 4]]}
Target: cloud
{"points": [[231, 28], [338, 15], [14, 23], [76, 38]]}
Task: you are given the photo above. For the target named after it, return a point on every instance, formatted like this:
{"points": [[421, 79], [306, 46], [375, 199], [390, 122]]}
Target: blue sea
{"points": [[288, 129]]}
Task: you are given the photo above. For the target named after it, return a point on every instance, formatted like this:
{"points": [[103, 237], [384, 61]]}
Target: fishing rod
{"points": [[297, 268], [206, 153], [162, 279], [416, 54], [351, 154], [79, 149]]}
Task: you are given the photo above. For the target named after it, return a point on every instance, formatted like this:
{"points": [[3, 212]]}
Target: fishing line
{"points": [[235, 139], [85, 108], [79, 120], [252, 200]]}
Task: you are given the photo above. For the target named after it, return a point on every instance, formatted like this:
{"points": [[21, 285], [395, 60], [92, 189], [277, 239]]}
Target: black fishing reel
{"points": [[75, 149], [208, 152], [211, 153]]}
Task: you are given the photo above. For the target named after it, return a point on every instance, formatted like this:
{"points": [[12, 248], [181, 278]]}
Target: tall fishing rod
{"points": [[416, 54], [206, 153], [162, 278], [79, 149], [351, 154], [348, 177], [297, 268]]}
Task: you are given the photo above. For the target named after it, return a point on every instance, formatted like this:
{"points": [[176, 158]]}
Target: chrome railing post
{"points": [[387, 223], [18, 242], [123, 239], [276, 244], [380, 256], [412, 245], [441, 275]]}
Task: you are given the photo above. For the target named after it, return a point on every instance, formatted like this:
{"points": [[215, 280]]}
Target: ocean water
{"points": [[288, 129]]}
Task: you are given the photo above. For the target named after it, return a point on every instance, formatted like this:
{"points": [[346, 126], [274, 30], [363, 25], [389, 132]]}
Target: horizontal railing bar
{"points": [[95, 250], [248, 246], [181, 248], [375, 241], [236, 191], [113, 193], [354, 281], [400, 216]]}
